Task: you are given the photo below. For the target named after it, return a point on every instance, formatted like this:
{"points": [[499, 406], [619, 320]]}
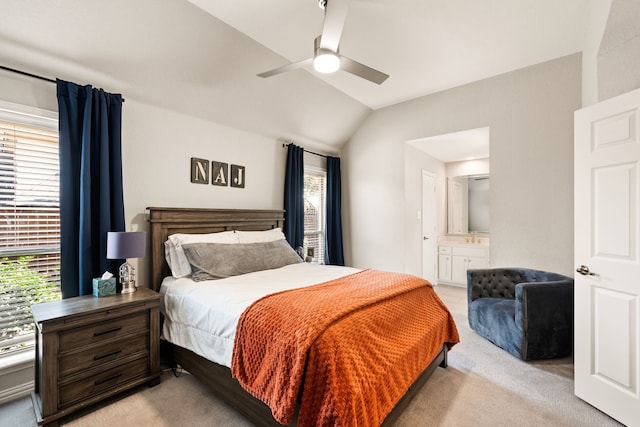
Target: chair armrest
{"points": [[543, 301], [544, 312]]}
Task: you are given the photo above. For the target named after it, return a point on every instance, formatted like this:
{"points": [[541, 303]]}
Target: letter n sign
{"points": [[199, 171]]}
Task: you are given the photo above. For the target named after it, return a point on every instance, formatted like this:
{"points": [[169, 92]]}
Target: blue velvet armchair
{"points": [[528, 313]]}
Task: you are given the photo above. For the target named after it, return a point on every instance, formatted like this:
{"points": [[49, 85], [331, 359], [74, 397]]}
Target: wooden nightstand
{"points": [[88, 349]]}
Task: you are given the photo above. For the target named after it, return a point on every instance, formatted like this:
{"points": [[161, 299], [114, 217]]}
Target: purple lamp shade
{"points": [[126, 244]]}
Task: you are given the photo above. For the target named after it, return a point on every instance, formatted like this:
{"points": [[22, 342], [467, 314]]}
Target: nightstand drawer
{"points": [[95, 356], [87, 387], [106, 331]]}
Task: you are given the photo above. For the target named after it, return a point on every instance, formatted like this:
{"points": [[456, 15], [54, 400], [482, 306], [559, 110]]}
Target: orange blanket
{"points": [[363, 339]]}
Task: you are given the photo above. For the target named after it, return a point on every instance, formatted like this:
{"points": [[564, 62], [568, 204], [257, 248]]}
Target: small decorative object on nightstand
{"points": [[123, 245], [89, 349], [310, 254], [104, 286]]}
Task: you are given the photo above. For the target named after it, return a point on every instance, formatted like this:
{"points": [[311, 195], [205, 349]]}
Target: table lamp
{"points": [[123, 245]]}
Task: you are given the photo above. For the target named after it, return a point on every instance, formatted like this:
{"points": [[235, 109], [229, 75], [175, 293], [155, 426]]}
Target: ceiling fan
{"points": [[327, 58]]}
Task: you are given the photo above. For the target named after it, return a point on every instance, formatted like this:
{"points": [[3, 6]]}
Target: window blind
{"points": [[29, 227], [314, 212]]}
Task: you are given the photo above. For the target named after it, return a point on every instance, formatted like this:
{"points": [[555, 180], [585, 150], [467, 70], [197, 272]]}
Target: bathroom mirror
{"points": [[468, 204]]}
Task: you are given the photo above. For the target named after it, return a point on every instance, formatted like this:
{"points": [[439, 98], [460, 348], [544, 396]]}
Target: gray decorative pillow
{"points": [[219, 260]]}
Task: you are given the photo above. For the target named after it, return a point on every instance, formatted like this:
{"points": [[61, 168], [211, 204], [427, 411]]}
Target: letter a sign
{"points": [[219, 172]]}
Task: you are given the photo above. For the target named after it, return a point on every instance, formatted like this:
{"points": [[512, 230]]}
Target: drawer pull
{"points": [[113, 377], [97, 334], [107, 355]]}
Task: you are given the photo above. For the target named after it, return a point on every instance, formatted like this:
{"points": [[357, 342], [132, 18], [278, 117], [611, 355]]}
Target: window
{"points": [[314, 212], [29, 220]]}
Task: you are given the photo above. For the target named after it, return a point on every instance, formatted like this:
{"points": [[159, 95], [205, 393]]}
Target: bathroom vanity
{"points": [[456, 257]]}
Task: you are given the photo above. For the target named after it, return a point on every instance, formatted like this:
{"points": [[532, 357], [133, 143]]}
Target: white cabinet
{"points": [[459, 269], [444, 263], [455, 260]]}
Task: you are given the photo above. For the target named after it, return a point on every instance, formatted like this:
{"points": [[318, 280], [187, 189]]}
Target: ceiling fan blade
{"points": [[289, 67], [335, 14], [361, 70]]}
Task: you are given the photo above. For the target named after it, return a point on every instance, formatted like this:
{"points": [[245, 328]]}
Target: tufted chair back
{"points": [[496, 283], [501, 282]]}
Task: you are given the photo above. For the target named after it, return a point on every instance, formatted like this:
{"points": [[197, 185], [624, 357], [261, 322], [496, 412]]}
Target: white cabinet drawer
{"points": [[444, 250], [467, 251]]}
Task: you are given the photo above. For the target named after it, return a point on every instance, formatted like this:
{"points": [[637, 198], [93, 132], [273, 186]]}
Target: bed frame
{"points": [[167, 221]]}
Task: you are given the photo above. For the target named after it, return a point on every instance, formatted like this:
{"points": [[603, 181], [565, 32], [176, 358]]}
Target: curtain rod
{"points": [[35, 76], [307, 151], [24, 73]]}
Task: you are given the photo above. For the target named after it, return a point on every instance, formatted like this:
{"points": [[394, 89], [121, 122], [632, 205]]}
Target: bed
{"points": [[214, 370]]}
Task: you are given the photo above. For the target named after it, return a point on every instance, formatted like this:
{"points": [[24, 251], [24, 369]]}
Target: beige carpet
{"points": [[483, 386]]}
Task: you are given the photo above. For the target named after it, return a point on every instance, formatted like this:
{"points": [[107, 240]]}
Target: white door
{"points": [[429, 222], [607, 256]]}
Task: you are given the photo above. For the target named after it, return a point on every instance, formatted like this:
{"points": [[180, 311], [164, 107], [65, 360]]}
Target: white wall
{"points": [[598, 13], [415, 161], [530, 114], [619, 53]]}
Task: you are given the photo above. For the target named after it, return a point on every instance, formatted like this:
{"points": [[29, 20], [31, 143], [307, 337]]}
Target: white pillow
{"points": [[260, 236], [174, 254]]}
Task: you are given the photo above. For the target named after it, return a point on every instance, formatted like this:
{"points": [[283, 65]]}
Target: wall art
{"points": [[237, 176], [219, 174], [199, 171]]}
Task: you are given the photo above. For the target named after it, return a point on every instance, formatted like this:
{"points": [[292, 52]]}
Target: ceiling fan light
{"points": [[326, 62]]}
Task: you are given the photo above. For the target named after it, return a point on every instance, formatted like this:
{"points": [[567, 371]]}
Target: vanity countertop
{"points": [[466, 241]]}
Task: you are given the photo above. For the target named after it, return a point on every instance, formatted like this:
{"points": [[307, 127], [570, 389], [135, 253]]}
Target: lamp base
{"points": [[128, 288], [127, 278]]}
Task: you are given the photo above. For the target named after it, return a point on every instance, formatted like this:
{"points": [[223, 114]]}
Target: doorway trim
{"points": [[429, 236]]}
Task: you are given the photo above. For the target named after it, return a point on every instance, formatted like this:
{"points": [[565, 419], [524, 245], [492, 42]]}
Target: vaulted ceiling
{"points": [[201, 57], [424, 45]]}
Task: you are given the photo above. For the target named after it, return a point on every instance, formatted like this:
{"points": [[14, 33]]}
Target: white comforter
{"points": [[202, 316]]}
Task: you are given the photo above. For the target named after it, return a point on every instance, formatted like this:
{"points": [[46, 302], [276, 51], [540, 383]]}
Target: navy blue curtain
{"points": [[294, 197], [91, 202], [334, 253]]}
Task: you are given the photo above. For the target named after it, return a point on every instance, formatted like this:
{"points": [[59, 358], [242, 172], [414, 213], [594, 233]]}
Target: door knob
{"points": [[584, 270], [425, 238]]}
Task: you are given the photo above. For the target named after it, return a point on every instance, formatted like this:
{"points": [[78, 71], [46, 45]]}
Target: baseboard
{"points": [[16, 392], [16, 375]]}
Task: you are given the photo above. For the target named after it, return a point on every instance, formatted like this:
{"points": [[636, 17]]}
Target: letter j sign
{"points": [[237, 176]]}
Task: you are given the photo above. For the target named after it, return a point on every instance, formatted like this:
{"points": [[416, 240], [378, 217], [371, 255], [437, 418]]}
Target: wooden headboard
{"points": [[167, 221]]}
